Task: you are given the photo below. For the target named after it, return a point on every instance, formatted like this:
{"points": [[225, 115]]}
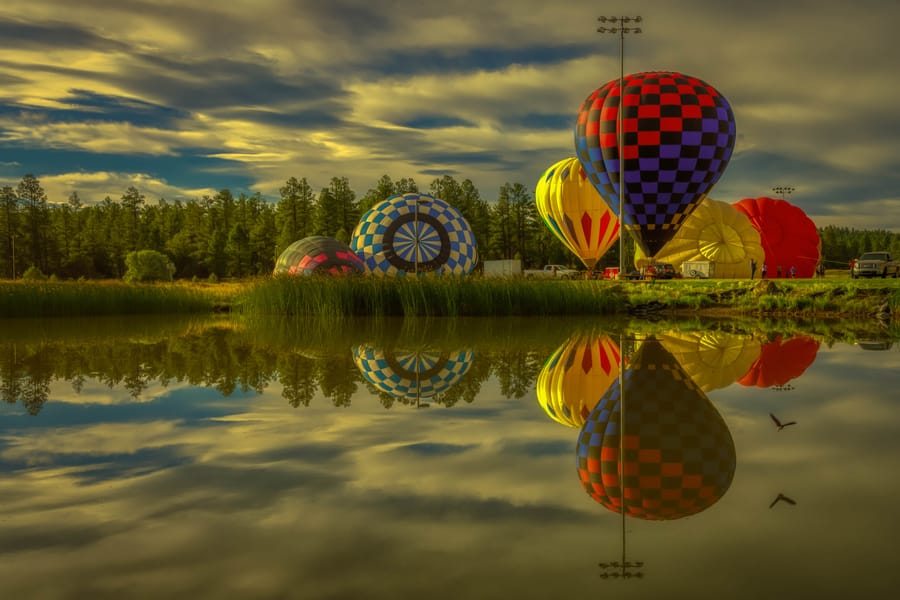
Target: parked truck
{"points": [[559, 271], [875, 264]]}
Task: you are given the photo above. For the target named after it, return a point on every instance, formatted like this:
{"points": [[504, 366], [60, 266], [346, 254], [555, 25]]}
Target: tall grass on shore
{"points": [[92, 298], [430, 297]]}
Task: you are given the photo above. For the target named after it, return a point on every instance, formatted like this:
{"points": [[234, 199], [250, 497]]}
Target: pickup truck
{"points": [[875, 264], [559, 271]]}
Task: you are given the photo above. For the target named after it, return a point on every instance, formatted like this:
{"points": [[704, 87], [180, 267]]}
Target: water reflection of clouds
{"points": [[259, 497]]}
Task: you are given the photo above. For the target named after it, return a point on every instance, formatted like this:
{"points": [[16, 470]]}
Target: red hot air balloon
{"points": [[679, 134], [789, 238]]}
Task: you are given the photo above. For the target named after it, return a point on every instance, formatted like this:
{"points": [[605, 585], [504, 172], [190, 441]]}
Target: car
{"points": [[661, 271]]}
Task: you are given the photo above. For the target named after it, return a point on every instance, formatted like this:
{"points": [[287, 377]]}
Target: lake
{"points": [[216, 458]]}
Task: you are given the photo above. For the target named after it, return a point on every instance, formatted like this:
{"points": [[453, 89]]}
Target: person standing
{"points": [[752, 268], [778, 271], [763, 271], [793, 272]]}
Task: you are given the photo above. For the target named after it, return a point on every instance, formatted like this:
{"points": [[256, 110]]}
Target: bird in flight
{"points": [[780, 424], [782, 497]]}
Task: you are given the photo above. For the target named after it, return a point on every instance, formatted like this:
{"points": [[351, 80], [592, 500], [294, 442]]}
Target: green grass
{"points": [[338, 298], [83, 298], [428, 297]]}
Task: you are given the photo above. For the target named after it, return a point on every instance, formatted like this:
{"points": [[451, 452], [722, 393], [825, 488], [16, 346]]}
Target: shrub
{"points": [[148, 265], [32, 273]]}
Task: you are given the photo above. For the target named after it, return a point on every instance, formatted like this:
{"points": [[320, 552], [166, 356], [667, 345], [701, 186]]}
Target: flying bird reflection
{"points": [[781, 497], [780, 424]]}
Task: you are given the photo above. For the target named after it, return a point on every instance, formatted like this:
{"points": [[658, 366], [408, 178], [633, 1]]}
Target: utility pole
{"points": [[620, 26]]}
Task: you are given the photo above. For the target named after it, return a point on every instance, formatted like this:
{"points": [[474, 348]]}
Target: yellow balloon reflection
{"points": [[575, 377], [712, 359], [676, 457]]}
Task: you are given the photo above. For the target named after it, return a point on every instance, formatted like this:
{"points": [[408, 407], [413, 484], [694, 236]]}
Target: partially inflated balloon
{"points": [[789, 237], [716, 232], [713, 359], [679, 134], [318, 255], [573, 210], [415, 233]]}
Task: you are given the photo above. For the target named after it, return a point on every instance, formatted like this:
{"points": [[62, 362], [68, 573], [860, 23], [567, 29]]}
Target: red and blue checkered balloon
{"points": [[678, 136]]}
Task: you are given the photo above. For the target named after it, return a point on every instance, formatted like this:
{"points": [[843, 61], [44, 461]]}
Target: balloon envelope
{"points": [[411, 374], [318, 255], [789, 237], [679, 135], [679, 457], [781, 361], [576, 376], [716, 232], [415, 233], [573, 210], [712, 359]]}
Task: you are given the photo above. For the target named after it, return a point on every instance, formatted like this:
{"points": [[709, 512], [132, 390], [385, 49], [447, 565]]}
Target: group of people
{"points": [[764, 270]]}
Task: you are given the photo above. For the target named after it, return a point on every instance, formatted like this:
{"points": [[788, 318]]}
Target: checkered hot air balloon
{"points": [[411, 374], [679, 133], [318, 255], [679, 457], [414, 234], [576, 214]]}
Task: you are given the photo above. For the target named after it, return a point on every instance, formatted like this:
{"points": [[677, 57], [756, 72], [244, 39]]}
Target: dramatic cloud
{"points": [[248, 94]]}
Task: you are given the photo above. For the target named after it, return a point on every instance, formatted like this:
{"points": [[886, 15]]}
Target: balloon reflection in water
{"points": [[576, 375], [411, 374], [679, 457], [781, 361], [712, 359]]}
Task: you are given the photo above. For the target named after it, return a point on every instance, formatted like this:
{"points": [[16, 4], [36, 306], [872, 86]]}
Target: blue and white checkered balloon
{"points": [[415, 233]]}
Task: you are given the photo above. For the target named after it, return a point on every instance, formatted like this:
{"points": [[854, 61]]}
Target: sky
{"points": [[184, 98]]}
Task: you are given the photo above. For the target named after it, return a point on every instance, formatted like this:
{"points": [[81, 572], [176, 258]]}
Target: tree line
{"points": [[228, 236], [224, 235]]}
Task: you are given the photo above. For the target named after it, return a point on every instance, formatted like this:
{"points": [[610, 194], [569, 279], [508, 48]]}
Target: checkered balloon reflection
{"points": [[412, 374], [415, 233], [679, 457], [678, 136]]}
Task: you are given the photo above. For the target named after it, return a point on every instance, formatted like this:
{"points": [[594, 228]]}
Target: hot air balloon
{"points": [[411, 374], [780, 361], [712, 359], [576, 376], [413, 234], [679, 457], [318, 255], [573, 210], [679, 134], [715, 232], [789, 238]]}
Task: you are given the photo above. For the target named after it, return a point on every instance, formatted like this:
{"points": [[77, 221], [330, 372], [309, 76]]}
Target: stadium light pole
{"points": [[783, 189], [620, 26]]}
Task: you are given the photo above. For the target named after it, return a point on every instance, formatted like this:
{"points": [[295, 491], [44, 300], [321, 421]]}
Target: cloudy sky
{"points": [[181, 98]]}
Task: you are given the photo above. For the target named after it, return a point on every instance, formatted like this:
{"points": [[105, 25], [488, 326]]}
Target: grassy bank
{"points": [[94, 298], [450, 297]]}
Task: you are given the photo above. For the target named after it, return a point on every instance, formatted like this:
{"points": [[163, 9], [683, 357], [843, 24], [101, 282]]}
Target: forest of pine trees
{"points": [[224, 236]]}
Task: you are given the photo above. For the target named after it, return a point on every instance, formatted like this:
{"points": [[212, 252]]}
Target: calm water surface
{"points": [[471, 459]]}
